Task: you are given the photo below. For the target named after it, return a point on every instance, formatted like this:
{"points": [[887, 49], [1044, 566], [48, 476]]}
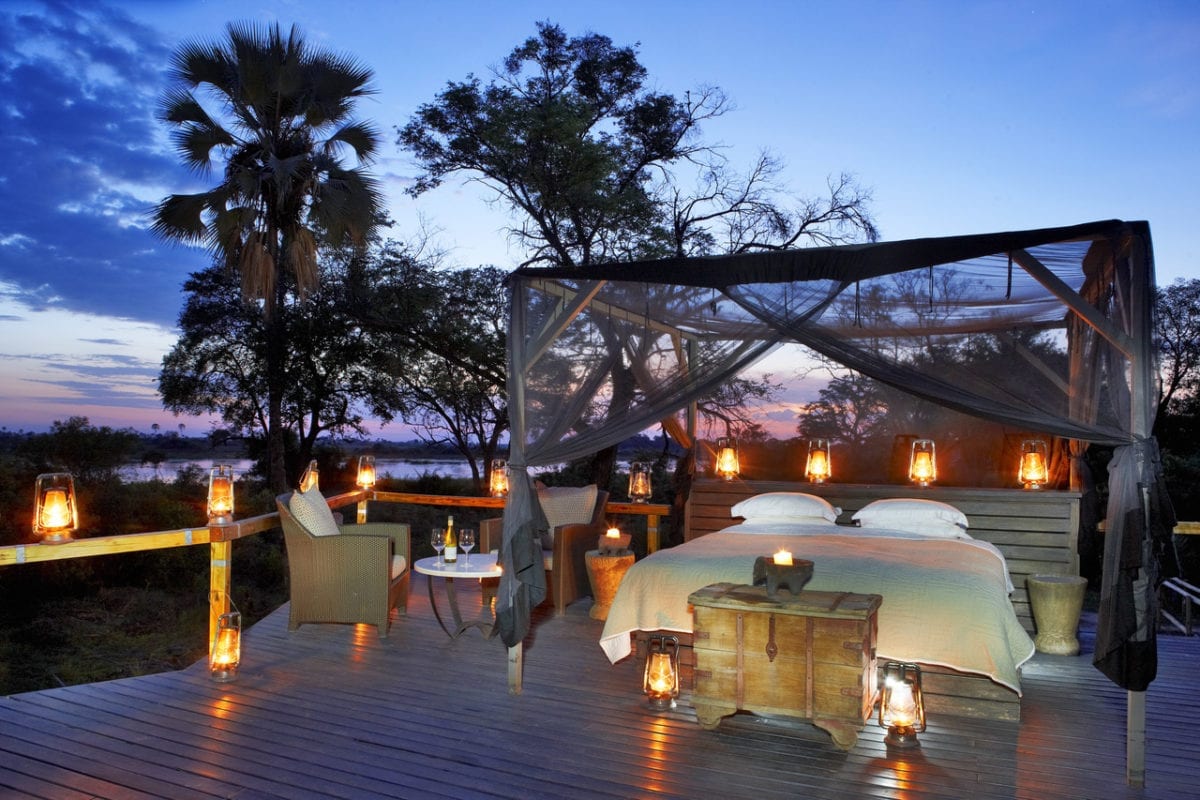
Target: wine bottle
{"points": [[451, 552]]}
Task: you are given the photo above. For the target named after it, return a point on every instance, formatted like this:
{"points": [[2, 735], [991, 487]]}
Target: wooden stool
{"points": [[605, 573], [1057, 601]]}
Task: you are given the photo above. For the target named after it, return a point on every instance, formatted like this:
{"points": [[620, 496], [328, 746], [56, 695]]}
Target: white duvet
{"points": [[945, 601]]}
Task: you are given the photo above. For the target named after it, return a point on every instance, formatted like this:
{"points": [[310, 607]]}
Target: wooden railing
{"points": [[220, 538]]}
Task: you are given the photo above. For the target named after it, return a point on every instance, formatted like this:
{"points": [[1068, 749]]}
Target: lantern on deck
{"points": [[901, 706], [56, 513], [639, 482], [311, 478], [366, 472], [661, 680], [498, 478], [1033, 472], [727, 465], [220, 495], [226, 654], [818, 467], [922, 466]]}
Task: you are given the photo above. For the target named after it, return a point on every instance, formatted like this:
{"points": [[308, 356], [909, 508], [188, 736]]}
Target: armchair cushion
{"points": [[566, 505], [310, 510]]}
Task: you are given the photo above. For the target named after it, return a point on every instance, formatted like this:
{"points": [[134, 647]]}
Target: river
{"points": [[386, 467]]}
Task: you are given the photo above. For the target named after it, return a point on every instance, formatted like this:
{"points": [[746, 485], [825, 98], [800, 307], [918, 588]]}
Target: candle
{"points": [[783, 558], [613, 533]]}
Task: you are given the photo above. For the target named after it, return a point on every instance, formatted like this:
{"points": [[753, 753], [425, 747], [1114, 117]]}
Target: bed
{"points": [[946, 596]]}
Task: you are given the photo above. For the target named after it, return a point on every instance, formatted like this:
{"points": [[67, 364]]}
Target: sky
{"points": [[961, 117]]}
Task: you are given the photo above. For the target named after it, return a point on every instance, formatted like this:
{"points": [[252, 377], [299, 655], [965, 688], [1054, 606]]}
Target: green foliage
{"points": [[335, 370], [282, 119], [445, 335], [88, 452]]}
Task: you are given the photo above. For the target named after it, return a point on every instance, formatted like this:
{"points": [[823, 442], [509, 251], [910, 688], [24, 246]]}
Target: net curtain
{"points": [[1056, 321]]}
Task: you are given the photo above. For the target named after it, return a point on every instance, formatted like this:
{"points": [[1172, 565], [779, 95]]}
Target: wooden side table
{"points": [[605, 573]]}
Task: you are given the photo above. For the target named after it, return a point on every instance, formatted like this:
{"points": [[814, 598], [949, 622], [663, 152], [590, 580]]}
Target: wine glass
{"points": [[437, 538], [466, 540]]}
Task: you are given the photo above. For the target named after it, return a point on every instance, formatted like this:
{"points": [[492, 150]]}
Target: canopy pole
{"points": [[516, 668]]}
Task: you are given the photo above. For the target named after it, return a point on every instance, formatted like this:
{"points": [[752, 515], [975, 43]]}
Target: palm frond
{"points": [[302, 259], [257, 269]]}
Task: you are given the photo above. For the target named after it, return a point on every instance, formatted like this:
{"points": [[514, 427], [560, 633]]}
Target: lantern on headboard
{"points": [[1033, 471], [727, 465], [817, 468], [922, 466]]}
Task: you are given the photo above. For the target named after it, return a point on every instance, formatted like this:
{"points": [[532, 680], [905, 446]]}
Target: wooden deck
{"points": [[333, 711]]}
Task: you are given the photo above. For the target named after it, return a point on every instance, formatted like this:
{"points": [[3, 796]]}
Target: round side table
{"points": [[605, 572], [1057, 601]]}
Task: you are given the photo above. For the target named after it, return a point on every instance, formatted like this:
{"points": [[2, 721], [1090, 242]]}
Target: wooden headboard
{"points": [[1036, 531]]}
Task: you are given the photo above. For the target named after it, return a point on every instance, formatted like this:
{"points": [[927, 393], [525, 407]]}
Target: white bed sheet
{"points": [[945, 601]]}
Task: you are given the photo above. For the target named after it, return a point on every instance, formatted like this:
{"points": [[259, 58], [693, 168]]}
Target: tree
{"points": [[335, 370], [446, 334], [92, 454], [591, 164], [1177, 332], [284, 121]]}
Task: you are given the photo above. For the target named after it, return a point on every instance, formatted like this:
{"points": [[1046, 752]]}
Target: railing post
{"points": [[651, 533], [218, 585]]}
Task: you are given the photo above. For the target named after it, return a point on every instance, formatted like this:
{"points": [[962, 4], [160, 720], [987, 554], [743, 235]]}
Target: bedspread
{"points": [[945, 602]]}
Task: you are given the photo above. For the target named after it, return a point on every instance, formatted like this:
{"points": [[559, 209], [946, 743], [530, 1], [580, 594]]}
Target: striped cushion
{"points": [[310, 510]]}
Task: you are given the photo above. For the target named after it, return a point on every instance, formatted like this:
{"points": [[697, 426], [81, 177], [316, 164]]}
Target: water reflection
{"points": [[394, 468]]}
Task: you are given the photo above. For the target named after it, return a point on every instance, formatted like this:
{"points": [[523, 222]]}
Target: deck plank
{"points": [[334, 711]]}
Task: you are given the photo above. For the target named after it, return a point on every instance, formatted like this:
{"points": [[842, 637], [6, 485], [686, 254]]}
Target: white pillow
{"points": [[926, 517], [310, 510], [775, 506]]}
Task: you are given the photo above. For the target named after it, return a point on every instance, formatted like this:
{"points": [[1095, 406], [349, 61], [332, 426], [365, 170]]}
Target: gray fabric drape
{"points": [[1047, 330]]}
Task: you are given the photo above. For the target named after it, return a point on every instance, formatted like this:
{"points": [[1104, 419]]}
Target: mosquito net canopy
{"points": [[1049, 330]]}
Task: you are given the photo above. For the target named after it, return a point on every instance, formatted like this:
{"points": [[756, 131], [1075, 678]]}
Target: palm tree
{"points": [[283, 120]]}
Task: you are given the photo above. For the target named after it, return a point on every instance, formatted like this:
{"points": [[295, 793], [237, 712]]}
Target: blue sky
{"points": [[962, 117]]}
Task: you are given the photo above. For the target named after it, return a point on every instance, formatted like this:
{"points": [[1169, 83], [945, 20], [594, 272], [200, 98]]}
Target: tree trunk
{"points": [[276, 356]]}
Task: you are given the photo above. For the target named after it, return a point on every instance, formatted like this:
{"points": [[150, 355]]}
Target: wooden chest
{"points": [[811, 656]]}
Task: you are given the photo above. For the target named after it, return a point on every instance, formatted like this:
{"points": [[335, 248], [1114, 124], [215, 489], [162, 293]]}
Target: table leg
{"points": [[452, 599]]}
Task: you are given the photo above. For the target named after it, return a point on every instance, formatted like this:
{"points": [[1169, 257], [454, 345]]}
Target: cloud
{"points": [[85, 160]]}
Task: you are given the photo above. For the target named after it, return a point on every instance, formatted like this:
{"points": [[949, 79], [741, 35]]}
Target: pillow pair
{"points": [[925, 517], [786, 507]]}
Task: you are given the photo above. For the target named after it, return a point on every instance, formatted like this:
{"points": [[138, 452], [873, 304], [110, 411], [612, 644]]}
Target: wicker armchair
{"points": [[350, 577], [566, 570]]}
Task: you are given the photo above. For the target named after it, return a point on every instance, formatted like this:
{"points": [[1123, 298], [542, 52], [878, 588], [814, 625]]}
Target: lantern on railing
{"points": [[311, 478], [818, 467], [901, 706], [220, 495], [661, 680], [922, 466], [226, 654], [56, 513], [727, 465], [639, 482], [1033, 471], [498, 478], [366, 472]]}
